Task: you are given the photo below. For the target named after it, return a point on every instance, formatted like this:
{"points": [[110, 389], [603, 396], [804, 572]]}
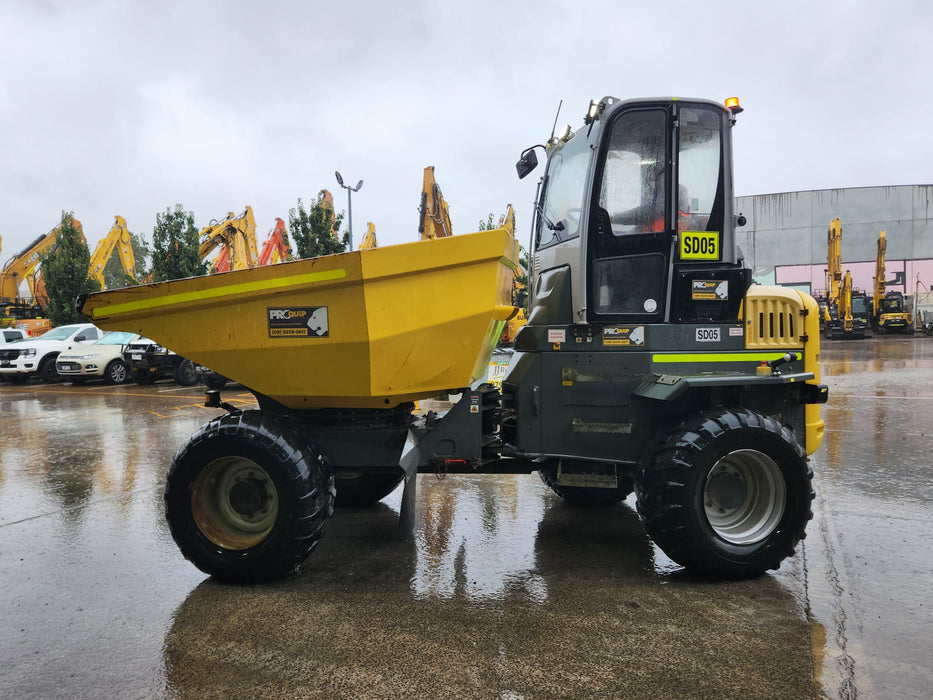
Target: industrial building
{"points": [[785, 237]]}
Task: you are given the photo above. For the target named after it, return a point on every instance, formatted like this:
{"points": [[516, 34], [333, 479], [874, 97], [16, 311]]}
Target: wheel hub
{"points": [[234, 502], [744, 497]]}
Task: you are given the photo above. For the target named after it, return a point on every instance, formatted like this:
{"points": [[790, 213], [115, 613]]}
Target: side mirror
{"points": [[527, 163], [81, 338]]}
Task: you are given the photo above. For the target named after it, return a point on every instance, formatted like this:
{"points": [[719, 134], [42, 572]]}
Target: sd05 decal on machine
{"points": [[298, 322], [699, 245]]}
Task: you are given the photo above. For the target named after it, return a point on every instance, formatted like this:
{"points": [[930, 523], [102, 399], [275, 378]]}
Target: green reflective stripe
{"points": [[718, 357], [217, 292]]}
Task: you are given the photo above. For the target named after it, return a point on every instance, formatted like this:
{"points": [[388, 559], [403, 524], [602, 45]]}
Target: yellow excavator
{"points": [[26, 312], [117, 239], [237, 235], [888, 314], [833, 271], [369, 238], [434, 219]]}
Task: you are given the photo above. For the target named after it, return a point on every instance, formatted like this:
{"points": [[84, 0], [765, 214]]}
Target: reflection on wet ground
{"points": [[869, 554], [504, 591]]}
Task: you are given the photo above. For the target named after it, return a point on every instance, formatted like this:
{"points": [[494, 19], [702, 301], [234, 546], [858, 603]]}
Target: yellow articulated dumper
{"points": [[648, 362]]}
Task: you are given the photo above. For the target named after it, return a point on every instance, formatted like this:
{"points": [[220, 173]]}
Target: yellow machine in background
{"points": [[888, 313], [117, 239], [25, 265], [833, 269], [434, 219], [237, 235], [369, 238]]}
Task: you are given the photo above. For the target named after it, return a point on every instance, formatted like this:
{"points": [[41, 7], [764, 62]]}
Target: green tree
{"points": [[175, 246], [65, 273], [113, 270], [487, 225], [313, 229]]}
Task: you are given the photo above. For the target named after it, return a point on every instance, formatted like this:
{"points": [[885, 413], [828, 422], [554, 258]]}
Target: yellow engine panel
{"points": [[365, 329]]}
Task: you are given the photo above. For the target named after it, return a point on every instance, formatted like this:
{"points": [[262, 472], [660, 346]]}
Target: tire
{"points": [[361, 490], [583, 495], [47, 371], [186, 374], [243, 461], [116, 372], [728, 495]]}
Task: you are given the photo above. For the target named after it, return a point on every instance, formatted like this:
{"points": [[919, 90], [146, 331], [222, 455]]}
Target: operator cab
{"points": [[638, 203]]}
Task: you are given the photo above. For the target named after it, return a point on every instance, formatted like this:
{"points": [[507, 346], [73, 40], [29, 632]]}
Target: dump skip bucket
{"points": [[365, 329]]}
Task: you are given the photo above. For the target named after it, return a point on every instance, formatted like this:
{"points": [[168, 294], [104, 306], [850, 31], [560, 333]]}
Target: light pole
{"points": [[350, 191]]}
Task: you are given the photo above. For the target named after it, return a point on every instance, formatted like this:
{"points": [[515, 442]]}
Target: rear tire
{"points": [[728, 495], [247, 498], [185, 374], [361, 490]]}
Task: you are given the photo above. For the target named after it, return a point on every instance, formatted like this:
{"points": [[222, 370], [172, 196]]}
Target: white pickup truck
{"points": [[25, 358], [11, 335]]}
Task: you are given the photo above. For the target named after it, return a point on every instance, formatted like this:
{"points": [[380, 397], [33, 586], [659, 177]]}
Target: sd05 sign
{"points": [[699, 245]]}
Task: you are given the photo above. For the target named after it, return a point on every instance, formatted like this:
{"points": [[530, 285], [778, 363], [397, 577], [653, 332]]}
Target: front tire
{"points": [[48, 373], [728, 495], [247, 498], [116, 372]]}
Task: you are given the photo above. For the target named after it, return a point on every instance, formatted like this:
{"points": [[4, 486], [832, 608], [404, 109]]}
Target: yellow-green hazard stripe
{"points": [[718, 357], [217, 292]]}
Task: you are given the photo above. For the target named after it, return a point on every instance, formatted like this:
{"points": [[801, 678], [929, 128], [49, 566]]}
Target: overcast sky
{"points": [[115, 107]]}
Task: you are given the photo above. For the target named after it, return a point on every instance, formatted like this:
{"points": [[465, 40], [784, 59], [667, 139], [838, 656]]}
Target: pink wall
{"points": [[863, 274]]}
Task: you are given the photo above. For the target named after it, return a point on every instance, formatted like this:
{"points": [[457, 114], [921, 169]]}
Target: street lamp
{"points": [[350, 191]]}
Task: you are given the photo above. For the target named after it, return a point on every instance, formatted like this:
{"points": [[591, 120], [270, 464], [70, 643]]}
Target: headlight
{"points": [[29, 352]]}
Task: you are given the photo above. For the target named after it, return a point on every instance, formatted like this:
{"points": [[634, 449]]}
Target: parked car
{"points": [[11, 335], [149, 361], [25, 358], [101, 359]]}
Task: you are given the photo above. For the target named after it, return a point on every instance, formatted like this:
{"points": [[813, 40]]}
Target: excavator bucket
{"points": [[364, 329]]}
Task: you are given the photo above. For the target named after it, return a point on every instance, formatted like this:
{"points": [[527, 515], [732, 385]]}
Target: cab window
{"points": [[562, 200]]}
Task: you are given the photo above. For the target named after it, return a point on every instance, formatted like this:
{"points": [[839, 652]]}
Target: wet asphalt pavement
{"points": [[503, 592]]}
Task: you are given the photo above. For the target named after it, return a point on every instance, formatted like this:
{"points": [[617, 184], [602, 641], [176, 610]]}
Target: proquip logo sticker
{"points": [[624, 335], [704, 290], [298, 322]]}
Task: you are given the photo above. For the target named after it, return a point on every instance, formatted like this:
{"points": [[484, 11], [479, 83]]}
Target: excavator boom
{"points": [[237, 235], [435, 218], [117, 239]]}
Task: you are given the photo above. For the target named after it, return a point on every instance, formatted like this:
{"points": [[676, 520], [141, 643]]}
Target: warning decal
{"points": [[298, 322]]}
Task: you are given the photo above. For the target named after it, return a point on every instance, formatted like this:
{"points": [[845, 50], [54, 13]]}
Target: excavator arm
{"points": [[117, 239], [434, 221], [275, 249], [237, 235], [878, 294], [369, 239], [25, 265], [833, 261]]}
